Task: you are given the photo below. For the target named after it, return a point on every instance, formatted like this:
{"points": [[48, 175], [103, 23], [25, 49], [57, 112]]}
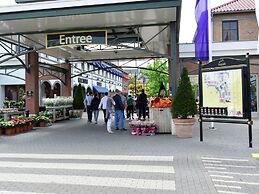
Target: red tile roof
{"points": [[235, 6]]}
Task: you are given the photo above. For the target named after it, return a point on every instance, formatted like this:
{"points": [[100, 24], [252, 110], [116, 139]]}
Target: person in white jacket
{"points": [[109, 110], [103, 105]]}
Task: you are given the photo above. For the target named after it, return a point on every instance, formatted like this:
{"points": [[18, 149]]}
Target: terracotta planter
{"points": [[18, 129], [30, 127], [184, 127], [9, 131], [42, 124]]}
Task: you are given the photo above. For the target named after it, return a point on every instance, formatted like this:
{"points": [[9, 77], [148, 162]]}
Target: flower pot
{"points": [[42, 124], [78, 113], [18, 129], [184, 127], [10, 131], [30, 127]]}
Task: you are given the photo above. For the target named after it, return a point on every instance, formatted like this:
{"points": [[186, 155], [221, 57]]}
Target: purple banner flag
{"points": [[202, 33]]}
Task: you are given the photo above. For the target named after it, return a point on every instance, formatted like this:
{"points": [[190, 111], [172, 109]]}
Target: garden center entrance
{"points": [[131, 30]]}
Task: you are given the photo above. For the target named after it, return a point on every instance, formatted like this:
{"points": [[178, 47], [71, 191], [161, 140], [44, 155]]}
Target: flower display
{"points": [[160, 102], [9, 110], [59, 101], [7, 124], [41, 119], [142, 127]]}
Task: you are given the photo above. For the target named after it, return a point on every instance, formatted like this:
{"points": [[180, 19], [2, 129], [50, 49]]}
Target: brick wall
{"points": [[247, 25]]}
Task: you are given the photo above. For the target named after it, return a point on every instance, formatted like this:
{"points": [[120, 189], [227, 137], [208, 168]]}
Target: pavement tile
{"points": [[78, 138]]}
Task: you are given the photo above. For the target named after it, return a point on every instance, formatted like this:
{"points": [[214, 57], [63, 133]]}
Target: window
{"points": [[82, 66], [229, 30]]}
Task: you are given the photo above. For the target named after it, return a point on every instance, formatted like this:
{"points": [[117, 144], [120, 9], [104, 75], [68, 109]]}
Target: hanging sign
{"points": [[61, 39]]}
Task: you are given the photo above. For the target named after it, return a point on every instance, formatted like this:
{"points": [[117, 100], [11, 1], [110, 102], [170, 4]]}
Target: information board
{"points": [[224, 89]]}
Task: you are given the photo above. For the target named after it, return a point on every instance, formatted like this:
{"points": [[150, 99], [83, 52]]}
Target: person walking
{"points": [[119, 108], [87, 101], [142, 104], [130, 107], [123, 99], [95, 107], [103, 105], [109, 109]]}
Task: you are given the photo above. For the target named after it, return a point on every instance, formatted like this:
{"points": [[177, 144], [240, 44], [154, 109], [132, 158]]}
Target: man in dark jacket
{"points": [[119, 108], [95, 107], [142, 104]]}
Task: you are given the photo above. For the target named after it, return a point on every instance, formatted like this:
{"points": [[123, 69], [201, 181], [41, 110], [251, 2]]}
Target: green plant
{"points": [[156, 77], [184, 105], [12, 103], [19, 104], [6, 103], [6, 125], [42, 119], [78, 102], [44, 113]]}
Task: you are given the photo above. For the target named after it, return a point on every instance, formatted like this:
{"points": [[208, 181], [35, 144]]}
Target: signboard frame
{"points": [[205, 113], [76, 36], [243, 88]]}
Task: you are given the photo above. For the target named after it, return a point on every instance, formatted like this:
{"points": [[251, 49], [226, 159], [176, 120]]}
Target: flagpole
{"points": [[210, 26], [210, 32], [257, 17]]}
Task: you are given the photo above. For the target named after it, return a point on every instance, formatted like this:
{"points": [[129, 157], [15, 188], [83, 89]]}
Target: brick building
{"points": [[234, 32]]}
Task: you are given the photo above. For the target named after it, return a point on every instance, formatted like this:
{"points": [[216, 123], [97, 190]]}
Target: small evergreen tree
{"points": [[78, 102], [184, 104]]}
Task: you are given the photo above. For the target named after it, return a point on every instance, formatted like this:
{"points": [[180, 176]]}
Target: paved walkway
{"points": [[77, 157]]}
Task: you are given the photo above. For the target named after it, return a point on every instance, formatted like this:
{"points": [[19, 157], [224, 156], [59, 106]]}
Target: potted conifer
{"points": [[184, 107], [78, 102]]}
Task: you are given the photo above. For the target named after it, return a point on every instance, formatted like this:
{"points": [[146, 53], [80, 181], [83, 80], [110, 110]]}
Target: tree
{"points": [[139, 87], [78, 102], [156, 77], [184, 104]]}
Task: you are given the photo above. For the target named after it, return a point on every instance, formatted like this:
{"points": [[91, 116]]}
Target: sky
{"points": [[188, 24]]}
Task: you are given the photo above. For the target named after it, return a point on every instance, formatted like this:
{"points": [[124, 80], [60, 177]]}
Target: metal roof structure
{"points": [[235, 6], [136, 28]]}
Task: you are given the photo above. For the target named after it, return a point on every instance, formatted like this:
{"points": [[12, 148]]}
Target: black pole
{"points": [[135, 84], [200, 99], [250, 132], [250, 135]]}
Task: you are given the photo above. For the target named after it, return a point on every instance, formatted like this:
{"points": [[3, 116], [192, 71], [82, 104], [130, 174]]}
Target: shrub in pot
{"points": [[184, 107], [78, 102]]}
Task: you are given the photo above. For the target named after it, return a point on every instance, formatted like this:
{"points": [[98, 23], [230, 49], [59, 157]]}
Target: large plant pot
{"points": [[77, 113], [42, 124], [184, 127], [10, 131]]}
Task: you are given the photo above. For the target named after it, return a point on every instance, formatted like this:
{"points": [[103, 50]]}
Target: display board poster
{"points": [[223, 89]]}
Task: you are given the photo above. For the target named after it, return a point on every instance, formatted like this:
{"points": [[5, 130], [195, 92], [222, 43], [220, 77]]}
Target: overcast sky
{"points": [[188, 24]]}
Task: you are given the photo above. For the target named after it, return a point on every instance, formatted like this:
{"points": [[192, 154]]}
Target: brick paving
{"points": [[78, 157]]}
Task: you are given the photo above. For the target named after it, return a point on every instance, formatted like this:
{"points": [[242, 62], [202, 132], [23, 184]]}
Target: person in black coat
{"points": [[142, 104], [95, 107]]}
